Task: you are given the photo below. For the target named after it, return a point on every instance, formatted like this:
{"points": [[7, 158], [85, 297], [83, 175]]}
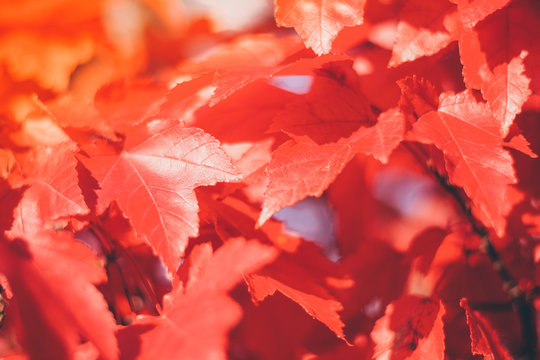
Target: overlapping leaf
{"points": [[334, 108], [411, 328], [498, 57], [328, 127], [53, 189], [294, 276], [484, 341], [54, 302], [198, 316], [424, 28], [318, 21], [158, 172], [301, 168], [468, 135], [471, 12]]}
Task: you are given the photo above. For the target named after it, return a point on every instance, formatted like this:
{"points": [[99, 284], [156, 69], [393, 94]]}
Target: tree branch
{"points": [[522, 306]]}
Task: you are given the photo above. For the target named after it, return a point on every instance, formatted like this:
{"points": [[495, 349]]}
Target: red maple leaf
{"points": [[334, 107], [411, 328], [295, 277], [231, 119], [159, 171], [318, 22], [498, 57], [53, 189], [54, 302], [301, 168], [198, 314], [484, 341], [425, 27], [468, 135], [473, 11]]}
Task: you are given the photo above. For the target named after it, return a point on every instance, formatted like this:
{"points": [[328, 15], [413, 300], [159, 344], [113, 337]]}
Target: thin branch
{"points": [[2, 306], [522, 306]]}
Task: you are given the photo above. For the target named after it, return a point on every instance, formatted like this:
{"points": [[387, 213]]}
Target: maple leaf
{"points": [[465, 132], [292, 123], [503, 69], [114, 106], [506, 88], [294, 276], [425, 27], [499, 38], [472, 12], [233, 217], [380, 140], [231, 119], [301, 168], [54, 300], [197, 316], [158, 171], [185, 97], [506, 91], [243, 61], [318, 21], [227, 83], [250, 51], [53, 189], [378, 82], [334, 108], [411, 328], [484, 341], [418, 96], [123, 103]]}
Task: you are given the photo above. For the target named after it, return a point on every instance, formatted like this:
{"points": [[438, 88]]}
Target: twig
{"points": [[2, 306], [522, 306]]}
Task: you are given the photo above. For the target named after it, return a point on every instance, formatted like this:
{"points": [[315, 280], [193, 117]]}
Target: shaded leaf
{"points": [[424, 28], [519, 143], [334, 107], [54, 301], [197, 317], [295, 277], [411, 328], [418, 96], [232, 119], [484, 340], [9, 198], [473, 11]]}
